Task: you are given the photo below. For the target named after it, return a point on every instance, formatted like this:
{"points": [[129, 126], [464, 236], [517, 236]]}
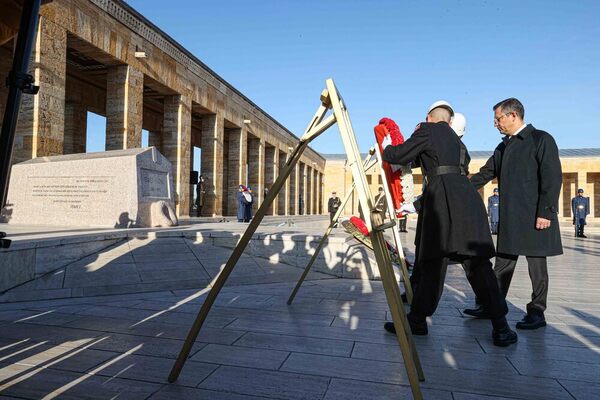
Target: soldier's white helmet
{"points": [[459, 124], [441, 103]]}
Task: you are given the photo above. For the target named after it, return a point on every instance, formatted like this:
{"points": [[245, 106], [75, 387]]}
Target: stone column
{"points": [[294, 190], [283, 205], [315, 197], [309, 190], [236, 166], [303, 189], [212, 163], [124, 107], [41, 125], [75, 128], [271, 171], [320, 192], [588, 189], [256, 169], [176, 140]]}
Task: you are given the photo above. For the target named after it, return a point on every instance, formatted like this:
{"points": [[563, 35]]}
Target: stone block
{"points": [[16, 267], [113, 189]]}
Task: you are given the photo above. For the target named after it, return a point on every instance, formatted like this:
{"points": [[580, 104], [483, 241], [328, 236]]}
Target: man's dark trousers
{"points": [[479, 272], [538, 272]]}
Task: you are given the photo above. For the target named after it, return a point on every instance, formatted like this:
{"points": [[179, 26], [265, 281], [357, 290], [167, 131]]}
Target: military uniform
{"points": [[452, 222], [494, 212], [332, 206], [581, 208]]}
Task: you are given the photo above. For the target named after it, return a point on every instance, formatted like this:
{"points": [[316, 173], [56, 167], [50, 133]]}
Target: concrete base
{"points": [[44, 264]]}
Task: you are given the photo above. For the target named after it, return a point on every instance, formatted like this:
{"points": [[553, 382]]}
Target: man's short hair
{"points": [[441, 114], [511, 105]]}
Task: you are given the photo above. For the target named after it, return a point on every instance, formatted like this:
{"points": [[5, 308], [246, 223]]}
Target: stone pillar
{"points": [[294, 190], [315, 197], [176, 143], [212, 163], [309, 190], [303, 186], [588, 189], [320, 192], [238, 151], [283, 206], [41, 125], [256, 169], [124, 107], [271, 171], [75, 128]]}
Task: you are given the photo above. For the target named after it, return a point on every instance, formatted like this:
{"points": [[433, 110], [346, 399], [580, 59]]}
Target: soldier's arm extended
{"points": [[550, 176], [407, 152]]}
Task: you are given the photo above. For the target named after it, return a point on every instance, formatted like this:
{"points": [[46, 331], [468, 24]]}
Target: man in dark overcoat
{"points": [[452, 223], [529, 175], [241, 211], [494, 211], [581, 208]]}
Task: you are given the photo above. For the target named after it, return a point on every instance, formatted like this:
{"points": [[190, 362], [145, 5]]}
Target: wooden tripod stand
{"points": [[330, 99]]}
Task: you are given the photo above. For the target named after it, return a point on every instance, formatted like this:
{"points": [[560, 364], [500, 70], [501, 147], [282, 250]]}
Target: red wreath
{"points": [[388, 127]]}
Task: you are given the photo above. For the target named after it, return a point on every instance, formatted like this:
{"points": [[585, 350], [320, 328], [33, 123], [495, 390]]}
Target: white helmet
{"points": [[441, 103], [459, 124]]}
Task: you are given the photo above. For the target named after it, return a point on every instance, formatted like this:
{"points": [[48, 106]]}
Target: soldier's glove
{"points": [[408, 208], [387, 141]]}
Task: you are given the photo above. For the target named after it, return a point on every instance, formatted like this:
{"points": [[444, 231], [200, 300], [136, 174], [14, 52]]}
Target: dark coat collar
{"points": [[526, 132]]}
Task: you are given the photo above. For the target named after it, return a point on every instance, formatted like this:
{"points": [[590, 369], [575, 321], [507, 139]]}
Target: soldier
{"points": [[200, 196], [445, 231], [381, 201], [494, 211], [333, 204], [581, 208]]}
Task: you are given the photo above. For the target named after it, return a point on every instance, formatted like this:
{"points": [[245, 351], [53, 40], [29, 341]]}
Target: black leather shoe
{"points": [[532, 321], [504, 337], [389, 326], [479, 312], [417, 328]]}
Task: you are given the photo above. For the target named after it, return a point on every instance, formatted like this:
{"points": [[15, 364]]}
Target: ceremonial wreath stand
{"points": [[330, 100]]}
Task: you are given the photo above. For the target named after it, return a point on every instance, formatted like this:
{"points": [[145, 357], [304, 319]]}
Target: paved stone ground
{"points": [[328, 345]]}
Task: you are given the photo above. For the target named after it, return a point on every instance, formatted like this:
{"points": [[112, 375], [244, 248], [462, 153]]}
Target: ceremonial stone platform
{"points": [[328, 345], [46, 263]]}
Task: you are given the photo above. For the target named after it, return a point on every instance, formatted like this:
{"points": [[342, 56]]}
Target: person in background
{"points": [[581, 208], [241, 203], [493, 209], [333, 204], [249, 202], [200, 196]]}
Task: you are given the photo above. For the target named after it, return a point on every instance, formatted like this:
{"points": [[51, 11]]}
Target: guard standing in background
{"points": [[332, 205], [494, 211], [581, 209]]}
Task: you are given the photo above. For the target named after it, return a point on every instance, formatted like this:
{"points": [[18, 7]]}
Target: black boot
{"points": [[532, 320], [502, 335], [479, 312]]}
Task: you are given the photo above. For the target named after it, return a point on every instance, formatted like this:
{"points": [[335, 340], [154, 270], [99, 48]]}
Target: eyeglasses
{"points": [[496, 120]]}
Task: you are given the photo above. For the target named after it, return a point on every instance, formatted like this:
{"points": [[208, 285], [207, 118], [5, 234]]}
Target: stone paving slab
{"points": [[328, 345]]}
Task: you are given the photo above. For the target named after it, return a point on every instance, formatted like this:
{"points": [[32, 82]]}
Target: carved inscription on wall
{"points": [[70, 193]]}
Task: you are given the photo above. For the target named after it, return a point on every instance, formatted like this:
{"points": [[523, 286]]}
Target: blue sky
{"points": [[394, 58]]}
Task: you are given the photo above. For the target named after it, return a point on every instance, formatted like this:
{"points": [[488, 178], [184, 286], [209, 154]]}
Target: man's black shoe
{"points": [[583, 236], [417, 328], [389, 326], [532, 320], [479, 312], [504, 337]]}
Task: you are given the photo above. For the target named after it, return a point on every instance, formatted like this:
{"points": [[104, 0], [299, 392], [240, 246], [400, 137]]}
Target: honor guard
{"points": [[494, 211], [581, 208]]}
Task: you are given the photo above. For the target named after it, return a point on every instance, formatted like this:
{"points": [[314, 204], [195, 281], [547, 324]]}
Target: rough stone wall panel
{"points": [[212, 163], [124, 107]]}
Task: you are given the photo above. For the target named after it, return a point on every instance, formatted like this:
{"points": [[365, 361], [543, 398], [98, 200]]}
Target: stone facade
{"points": [[84, 60]]}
